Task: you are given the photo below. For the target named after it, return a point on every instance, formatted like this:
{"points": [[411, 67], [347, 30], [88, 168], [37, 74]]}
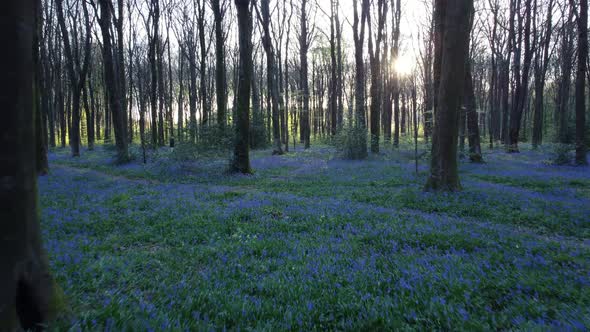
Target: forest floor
{"points": [[311, 242]]}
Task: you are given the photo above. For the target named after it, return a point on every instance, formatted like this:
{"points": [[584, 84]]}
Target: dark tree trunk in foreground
{"points": [[110, 72], [581, 83], [241, 159], [26, 286], [452, 26]]}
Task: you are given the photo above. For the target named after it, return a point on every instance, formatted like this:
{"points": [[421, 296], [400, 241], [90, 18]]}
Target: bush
{"points": [[351, 143], [211, 141], [258, 135], [562, 154]]}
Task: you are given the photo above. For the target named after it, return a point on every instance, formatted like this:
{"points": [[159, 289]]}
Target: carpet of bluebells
{"points": [[313, 242]]}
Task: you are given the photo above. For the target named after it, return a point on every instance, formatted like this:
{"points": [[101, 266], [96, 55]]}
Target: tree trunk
{"points": [[303, 48], [472, 118], [27, 290], [220, 79], [271, 77], [360, 151], [241, 158], [581, 84], [115, 101], [454, 29]]}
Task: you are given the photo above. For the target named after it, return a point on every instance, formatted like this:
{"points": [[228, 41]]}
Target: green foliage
{"points": [[562, 154], [212, 141], [313, 243], [351, 143], [258, 134]]}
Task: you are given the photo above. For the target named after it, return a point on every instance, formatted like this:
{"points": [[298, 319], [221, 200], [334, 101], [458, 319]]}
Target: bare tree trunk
{"points": [[564, 82], [76, 71], [180, 125], [303, 48], [475, 155], [453, 28], [220, 72], [581, 83], [27, 289], [376, 74], [205, 106], [115, 101], [541, 62], [359, 90], [241, 159], [271, 77]]}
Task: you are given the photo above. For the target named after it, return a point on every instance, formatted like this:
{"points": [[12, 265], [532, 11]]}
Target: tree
{"points": [[582, 18], [566, 63], [452, 30], [392, 83], [304, 41], [472, 118], [220, 72], [521, 79], [358, 27], [27, 289], [204, 44], [540, 65], [76, 70], [376, 74], [271, 76], [115, 101], [241, 158]]}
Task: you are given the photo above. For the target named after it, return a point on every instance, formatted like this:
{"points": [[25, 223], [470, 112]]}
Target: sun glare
{"points": [[403, 65]]}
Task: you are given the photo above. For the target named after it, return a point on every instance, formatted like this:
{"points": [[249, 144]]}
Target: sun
{"points": [[403, 65]]}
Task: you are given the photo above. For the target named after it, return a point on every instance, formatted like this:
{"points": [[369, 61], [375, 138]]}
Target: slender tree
{"points": [[271, 76], [241, 158], [540, 66], [110, 73], [376, 73], [304, 41], [220, 71], [582, 19], [77, 69], [358, 28]]}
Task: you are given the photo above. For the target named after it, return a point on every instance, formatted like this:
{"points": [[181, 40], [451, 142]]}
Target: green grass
{"points": [[312, 243]]}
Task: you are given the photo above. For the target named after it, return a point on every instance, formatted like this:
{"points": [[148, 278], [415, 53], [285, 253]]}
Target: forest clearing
{"points": [[294, 165], [313, 242]]}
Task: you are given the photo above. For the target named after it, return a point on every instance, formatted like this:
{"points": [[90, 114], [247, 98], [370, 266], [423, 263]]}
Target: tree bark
{"points": [[473, 138], [114, 99], [359, 89], [303, 48], [581, 84], [27, 289], [454, 30], [271, 77], [241, 158], [220, 71]]}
